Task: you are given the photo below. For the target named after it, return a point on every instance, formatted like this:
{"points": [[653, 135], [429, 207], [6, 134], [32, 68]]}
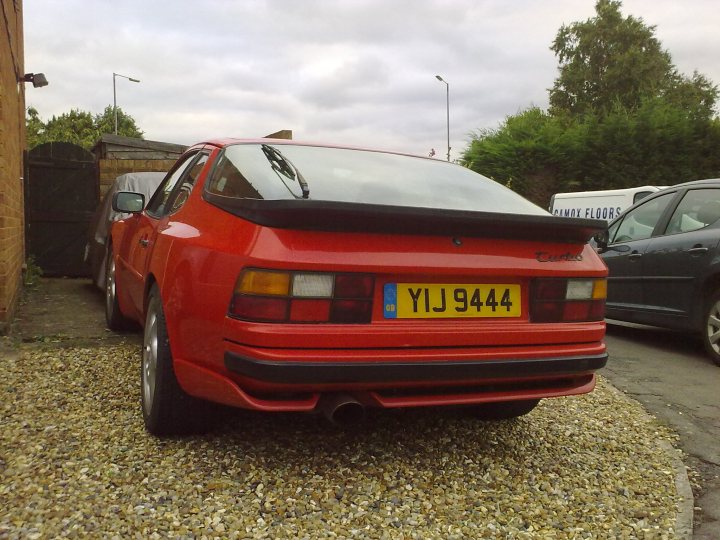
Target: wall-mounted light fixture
{"points": [[38, 80]]}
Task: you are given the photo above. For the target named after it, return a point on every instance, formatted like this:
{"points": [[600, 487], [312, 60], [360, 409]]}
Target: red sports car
{"points": [[280, 276]]}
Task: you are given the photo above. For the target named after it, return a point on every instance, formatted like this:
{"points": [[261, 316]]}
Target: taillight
{"points": [[302, 297], [567, 300]]}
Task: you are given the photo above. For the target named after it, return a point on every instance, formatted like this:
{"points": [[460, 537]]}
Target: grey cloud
{"points": [[356, 72]]}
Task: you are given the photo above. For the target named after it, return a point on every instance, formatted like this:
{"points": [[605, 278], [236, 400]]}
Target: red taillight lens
{"points": [[597, 310], [550, 289], [309, 310], [259, 308], [546, 312], [302, 297], [351, 311], [567, 300], [577, 311], [353, 286]]}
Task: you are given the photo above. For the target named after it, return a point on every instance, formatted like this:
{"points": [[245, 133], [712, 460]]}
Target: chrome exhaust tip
{"points": [[342, 410]]}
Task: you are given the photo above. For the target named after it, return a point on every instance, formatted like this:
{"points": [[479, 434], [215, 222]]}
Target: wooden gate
{"points": [[61, 195]]}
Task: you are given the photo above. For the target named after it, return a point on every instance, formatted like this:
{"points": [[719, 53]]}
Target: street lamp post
{"points": [[115, 96], [447, 87]]}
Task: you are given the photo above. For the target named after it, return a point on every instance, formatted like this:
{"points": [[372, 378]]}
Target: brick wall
{"points": [[109, 169], [12, 144]]}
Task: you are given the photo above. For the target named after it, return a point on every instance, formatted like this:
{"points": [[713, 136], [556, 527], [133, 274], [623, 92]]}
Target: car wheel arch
{"points": [[710, 285], [149, 282], [710, 328]]}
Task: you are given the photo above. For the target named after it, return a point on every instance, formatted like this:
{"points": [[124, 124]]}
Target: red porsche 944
{"points": [[280, 276]]}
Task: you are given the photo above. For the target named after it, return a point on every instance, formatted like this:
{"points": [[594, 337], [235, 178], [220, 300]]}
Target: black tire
{"points": [[113, 316], [167, 409], [711, 327], [503, 410]]}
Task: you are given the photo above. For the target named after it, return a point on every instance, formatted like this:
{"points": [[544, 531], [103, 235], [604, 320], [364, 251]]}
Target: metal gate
{"points": [[61, 195]]}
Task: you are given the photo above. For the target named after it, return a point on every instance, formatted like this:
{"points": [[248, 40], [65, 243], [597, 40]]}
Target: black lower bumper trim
{"points": [[290, 372]]}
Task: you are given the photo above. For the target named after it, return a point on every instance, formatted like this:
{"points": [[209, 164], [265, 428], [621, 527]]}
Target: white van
{"points": [[607, 204]]}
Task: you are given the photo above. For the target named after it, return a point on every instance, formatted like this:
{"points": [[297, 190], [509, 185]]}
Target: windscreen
{"points": [[281, 172]]}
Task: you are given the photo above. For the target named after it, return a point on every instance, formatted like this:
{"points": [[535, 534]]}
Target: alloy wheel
{"points": [[713, 328], [110, 285], [149, 360]]}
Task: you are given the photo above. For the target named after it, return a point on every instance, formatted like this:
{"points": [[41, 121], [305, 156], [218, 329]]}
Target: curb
{"points": [[686, 505]]}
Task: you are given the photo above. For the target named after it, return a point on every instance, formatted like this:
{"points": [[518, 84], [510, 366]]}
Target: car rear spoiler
{"points": [[333, 216]]}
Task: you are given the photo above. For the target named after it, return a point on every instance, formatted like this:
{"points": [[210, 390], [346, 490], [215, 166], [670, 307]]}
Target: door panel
{"points": [[675, 262], [630, 238], [142, 233], [625, 279], [141, 243], [671, 267]]}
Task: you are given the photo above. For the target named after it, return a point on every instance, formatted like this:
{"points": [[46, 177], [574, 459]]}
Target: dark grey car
{"points": [[664, 259], [96, 248]]}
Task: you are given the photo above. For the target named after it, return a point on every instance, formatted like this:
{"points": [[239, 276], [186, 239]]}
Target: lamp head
{"points": [[38, 80]]}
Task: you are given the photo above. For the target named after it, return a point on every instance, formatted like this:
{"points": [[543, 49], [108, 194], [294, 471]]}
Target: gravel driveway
{"points": [[75, 461]]}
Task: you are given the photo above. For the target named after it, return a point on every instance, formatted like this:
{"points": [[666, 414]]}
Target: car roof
{"points": [[228, 141], [706, 181], [693, 183]]}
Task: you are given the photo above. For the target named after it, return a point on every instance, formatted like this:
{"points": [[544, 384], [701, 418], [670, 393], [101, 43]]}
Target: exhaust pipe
{"points": [[342, 410]]}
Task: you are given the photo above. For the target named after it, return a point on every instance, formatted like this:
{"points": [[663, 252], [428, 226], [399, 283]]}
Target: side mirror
{"points": [[128, 202], [601, 241], [601, 244]]}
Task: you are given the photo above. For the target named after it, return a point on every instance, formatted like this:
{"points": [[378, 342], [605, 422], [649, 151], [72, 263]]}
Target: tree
{"points": [[518, 154], [620, 115], [78, 127], [127, 127], [34, 128], [538, 154], [696, 95], [606, 61]]}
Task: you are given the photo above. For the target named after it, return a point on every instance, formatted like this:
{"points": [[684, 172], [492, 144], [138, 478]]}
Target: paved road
{"points": [[669, 373]]}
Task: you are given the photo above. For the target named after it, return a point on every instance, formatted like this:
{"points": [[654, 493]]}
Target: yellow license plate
{"points": [[438, 300]]}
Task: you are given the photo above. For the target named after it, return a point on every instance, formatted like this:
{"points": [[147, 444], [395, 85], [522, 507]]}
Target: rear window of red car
{"points": [[282, 172]]}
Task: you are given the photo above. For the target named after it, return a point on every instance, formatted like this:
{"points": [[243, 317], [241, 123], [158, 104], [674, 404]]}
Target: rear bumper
{"points": [[314, 373], [296, 379]]}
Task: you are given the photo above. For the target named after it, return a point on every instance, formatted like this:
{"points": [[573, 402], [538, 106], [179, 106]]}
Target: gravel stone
{"points": [[75, 461]]}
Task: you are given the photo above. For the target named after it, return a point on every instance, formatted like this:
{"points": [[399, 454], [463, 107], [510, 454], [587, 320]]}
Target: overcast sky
{"points": [[359, 72]]}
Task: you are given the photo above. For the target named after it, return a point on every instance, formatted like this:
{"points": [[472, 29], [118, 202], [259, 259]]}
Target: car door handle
{"points": [[634, 255], [144, 242], [697, 250]]}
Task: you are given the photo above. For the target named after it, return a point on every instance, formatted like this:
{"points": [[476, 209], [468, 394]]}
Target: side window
{"points": [[229, 181], [612, 230], [697, 209], [182, 190], [640, 222], [641, 195], [156, 206]]}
